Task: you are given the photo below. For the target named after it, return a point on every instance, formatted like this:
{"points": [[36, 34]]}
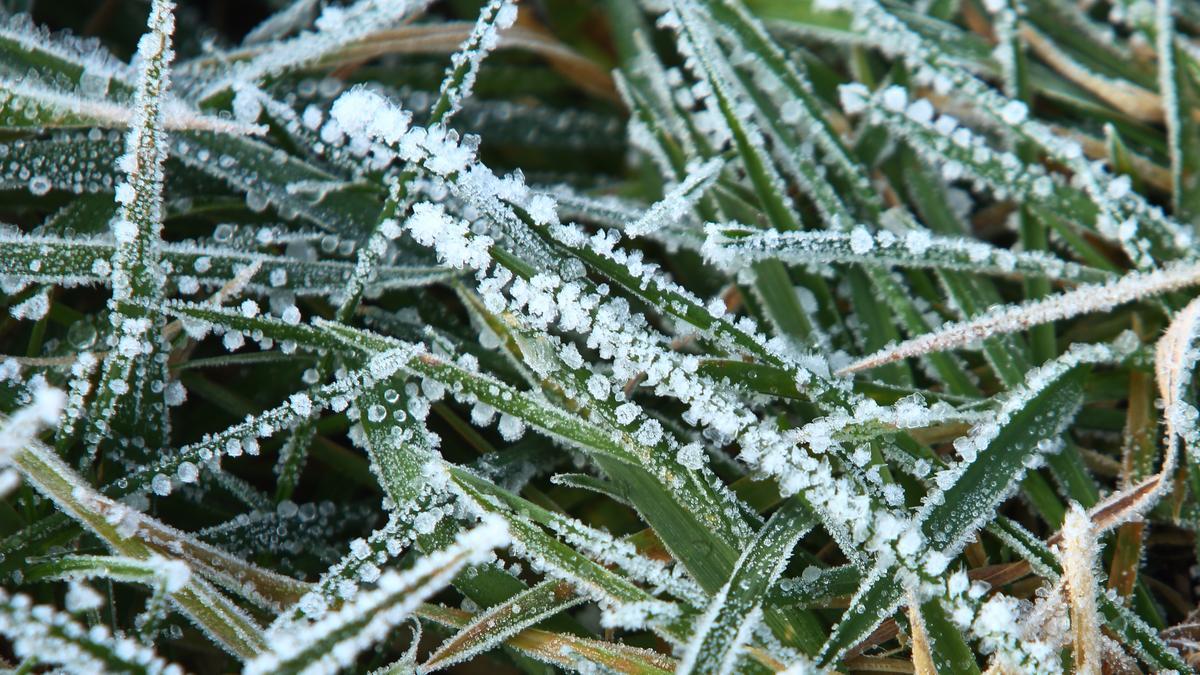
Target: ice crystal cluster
{"points": [[616, 336]]}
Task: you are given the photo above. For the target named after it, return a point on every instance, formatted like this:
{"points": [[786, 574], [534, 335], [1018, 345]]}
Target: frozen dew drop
{"points": [[161, 484], [187, 472], [39, 185], [287, 509], [257, 201], [81, 334]]}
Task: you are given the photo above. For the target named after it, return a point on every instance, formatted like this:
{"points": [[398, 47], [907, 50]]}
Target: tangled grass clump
{"points": [[697, 336]]}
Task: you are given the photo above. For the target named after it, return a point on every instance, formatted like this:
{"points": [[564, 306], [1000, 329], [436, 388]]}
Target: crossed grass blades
{"points": [[702, 336]]}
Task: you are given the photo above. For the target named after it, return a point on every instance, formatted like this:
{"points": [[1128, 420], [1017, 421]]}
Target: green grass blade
{"points": [[918, 249], [727, 622]]}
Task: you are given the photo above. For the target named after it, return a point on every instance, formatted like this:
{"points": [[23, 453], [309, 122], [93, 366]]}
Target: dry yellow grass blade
{"points": [[1137, 102], [445, 38], [1150, 173], [1173, 372], [922, 659], [1079, 575], [561, 650], [878, 664], [1084, 299], [1117, 661], [1171, 364]]}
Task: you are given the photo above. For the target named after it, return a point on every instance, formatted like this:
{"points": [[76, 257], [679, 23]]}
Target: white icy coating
{"points": [[514, 256], [960, 153], [132, 533], [22, 428], [291, 18], [981, 434], [101, 65]]}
